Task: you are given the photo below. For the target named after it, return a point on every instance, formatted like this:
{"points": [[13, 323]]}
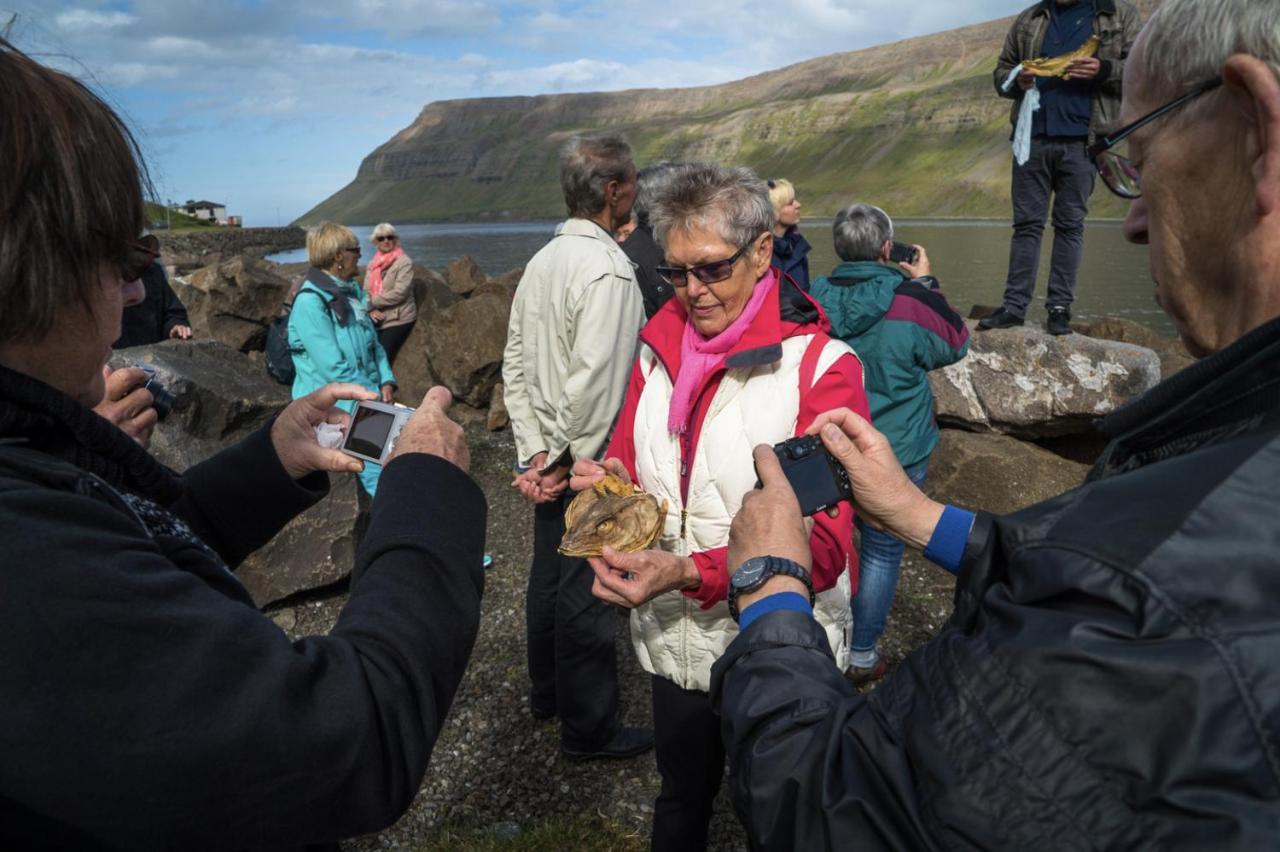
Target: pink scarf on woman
{"points": [[373, 276], [699, 356]]}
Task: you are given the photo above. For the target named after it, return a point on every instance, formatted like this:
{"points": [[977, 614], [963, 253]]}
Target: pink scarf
{"points": [[699, 356], [373, 276]]}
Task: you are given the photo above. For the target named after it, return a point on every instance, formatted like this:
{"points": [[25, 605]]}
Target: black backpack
{"points": [[278, 351]]}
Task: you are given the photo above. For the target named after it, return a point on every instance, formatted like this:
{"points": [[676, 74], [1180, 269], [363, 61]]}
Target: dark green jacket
{"points": [[900, 330], [1115, 23]]}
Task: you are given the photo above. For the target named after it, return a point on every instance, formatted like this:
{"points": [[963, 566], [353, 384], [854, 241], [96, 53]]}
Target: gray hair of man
{"points": [[1188, 42], [650, 181], [732, 203], [587, 164], [859, 232]]}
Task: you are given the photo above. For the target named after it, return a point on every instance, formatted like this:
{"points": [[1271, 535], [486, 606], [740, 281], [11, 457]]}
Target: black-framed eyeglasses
{"points": [[354, 250], [708, 273], [135, 256], [1114, 166], [384, 238]]}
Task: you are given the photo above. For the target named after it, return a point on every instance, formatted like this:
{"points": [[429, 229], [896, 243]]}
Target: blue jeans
{"points": [[879, 556]]}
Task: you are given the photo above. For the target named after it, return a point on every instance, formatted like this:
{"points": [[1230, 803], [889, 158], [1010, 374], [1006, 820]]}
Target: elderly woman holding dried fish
{"points": [[740, 357]]}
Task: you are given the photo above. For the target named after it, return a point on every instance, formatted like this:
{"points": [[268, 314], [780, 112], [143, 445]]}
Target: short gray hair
{"points": [[587, 164], [732, 203], [650, 182], [859, 232], [1188, 41], [384, 229]]}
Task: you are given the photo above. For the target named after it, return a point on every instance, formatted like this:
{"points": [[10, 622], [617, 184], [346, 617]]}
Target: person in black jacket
{"points": [[1110, 678], [160, 315], [148, 704], [639, 246]]}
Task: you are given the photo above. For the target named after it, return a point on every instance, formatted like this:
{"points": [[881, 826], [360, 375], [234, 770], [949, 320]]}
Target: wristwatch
{"points": [[754, 572]]}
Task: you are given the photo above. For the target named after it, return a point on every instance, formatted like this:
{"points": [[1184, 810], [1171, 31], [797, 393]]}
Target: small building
{"points": [[209, 211]]}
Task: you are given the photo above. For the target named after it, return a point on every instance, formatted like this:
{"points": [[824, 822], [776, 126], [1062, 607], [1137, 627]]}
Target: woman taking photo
{"points": [[740, 357], [790, 248], [330, 332], [388, 284]]}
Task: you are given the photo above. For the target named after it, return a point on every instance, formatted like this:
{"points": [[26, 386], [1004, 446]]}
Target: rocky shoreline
{"points": [[183, 251], [1017, 416]]}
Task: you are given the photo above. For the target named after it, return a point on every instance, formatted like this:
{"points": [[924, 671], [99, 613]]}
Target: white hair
{"points": [[730, 202], [1188, 41], [385, 229], [859, 232]]}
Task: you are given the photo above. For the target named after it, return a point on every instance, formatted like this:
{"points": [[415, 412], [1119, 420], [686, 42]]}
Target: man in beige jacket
{"points": [[570, 344]]}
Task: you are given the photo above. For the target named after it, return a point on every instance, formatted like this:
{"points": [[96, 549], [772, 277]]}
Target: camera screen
{"points": [[813, 481], [369, 431]]}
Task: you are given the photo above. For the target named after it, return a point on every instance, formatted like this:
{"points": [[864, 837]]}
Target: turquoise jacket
{"points": [[901, 329], [325, 351]]}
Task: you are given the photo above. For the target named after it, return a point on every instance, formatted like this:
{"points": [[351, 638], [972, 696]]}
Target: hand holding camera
{"points": [[129, 404], [913, 259]]}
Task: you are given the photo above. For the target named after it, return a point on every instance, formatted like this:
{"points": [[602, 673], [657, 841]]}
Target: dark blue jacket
{"points": [[791, 255]]}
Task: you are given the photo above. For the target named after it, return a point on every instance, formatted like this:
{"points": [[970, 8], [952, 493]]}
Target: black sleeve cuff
{"points": [[1104, 72]]}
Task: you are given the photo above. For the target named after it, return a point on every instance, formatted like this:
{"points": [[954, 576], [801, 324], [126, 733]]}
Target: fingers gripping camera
{"points": [[817, 478]]}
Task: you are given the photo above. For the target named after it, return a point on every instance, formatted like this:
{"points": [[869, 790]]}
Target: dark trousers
{"points": [[691, 762], [572, 660], [1058, 166], [393, 338]]}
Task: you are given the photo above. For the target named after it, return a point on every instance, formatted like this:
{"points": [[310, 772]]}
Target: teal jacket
{"points": [[900, 329], [326, 351]]}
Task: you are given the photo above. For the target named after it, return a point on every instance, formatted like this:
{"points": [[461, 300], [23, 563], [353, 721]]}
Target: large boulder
{"points": [[233, 301], [463, 276], [314, 550], [1023, 382], [219, 397], [1173, 355], [997, 473], [464, 347], [498, 418], [431, 292]]}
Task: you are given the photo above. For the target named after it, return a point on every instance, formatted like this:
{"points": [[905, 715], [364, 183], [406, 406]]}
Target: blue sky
{"points": [[270, 105]]}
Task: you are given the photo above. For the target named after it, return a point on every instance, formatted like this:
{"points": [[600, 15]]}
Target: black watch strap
{"points": [[759, 570]]}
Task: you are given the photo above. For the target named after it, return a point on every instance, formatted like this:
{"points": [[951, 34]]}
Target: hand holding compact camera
{"points": [[817, 478], [375, 428], [379, 432]]}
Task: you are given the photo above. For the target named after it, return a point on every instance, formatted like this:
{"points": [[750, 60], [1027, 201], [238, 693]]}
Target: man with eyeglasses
{"points": [[1072, 110], [570, 341], [1110, 678]]}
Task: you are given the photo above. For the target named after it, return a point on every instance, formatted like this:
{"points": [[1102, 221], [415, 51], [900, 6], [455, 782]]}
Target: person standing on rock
{"points": [[790, 248], [897, 320], [388, 284], [570, 341], [1110, 678], [1071, 112], [330, 331]]}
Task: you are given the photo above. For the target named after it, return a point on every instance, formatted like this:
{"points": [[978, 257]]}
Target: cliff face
{"points": [[915, 126]]}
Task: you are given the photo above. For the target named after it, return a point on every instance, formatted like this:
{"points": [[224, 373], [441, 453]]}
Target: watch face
{"points": [[750, 574]]}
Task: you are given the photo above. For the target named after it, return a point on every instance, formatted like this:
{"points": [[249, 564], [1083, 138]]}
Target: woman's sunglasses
{"points": [[137, 257], [708, 273], [385, 238]]}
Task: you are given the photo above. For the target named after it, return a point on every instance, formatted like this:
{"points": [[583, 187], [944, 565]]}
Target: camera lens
{"points": [[161, 400]]}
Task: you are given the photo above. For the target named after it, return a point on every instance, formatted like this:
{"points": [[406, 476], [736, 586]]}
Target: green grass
{"points": [[177, 221], [581, 834]]}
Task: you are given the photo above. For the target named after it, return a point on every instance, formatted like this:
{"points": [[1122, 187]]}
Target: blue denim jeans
{"points": [[879, 557]]}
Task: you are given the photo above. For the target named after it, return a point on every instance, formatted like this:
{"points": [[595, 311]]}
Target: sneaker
{"points": [[859, 676], [1000, 319], [628, 742], [1059, 321]]}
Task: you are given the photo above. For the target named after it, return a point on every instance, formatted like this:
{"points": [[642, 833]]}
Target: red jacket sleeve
{"points": [[622, 445]]}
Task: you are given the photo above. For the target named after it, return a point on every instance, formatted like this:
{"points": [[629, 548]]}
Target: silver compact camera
{"points": [[375, 428]]}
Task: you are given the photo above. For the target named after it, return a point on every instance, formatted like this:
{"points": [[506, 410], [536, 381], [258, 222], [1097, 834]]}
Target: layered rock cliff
{"points": [[914, 125]]}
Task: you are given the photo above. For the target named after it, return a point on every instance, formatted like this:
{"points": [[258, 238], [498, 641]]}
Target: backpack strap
{"points": [[809, 362]]}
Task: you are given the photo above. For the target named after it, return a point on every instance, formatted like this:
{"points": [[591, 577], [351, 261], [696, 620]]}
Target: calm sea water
{"points": [[970, 258]]}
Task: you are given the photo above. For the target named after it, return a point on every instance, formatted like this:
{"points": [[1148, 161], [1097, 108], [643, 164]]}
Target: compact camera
{"points": [[161, 400], [375, 428], [818, 480], [903, 253]]}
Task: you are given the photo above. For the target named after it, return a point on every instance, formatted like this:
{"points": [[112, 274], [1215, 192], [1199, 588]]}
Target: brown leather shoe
{"points": [[859, 676]]}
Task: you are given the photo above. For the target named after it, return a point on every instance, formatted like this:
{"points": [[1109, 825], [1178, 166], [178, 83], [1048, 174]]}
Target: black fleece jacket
{"points": [[149, 705]]}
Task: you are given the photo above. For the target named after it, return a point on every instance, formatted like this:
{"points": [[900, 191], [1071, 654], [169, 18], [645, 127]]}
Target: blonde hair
{"points": [[781, 193], [325, 241], [385, 229]]}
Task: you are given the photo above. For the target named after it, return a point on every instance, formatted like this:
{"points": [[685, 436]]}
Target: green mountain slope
{"points": [[915, 127]]}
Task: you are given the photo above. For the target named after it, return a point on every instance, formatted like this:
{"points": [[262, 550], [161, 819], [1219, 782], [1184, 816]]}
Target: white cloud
{"points": [[89, 21]]}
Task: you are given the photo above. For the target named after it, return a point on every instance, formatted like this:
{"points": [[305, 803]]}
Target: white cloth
{"points": [[673, 636], [329, 435], [1022, 131]]}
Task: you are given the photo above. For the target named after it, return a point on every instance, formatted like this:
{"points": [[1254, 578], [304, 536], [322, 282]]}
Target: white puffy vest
{"points": [[673, 636]]}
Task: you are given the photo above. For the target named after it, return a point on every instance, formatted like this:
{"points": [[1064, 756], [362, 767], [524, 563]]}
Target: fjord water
{"points": [[969, 257]]}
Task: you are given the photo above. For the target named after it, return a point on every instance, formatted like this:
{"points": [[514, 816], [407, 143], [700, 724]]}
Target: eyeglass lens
{"points": [[1118, 172], [707, 273], [385, 238]]}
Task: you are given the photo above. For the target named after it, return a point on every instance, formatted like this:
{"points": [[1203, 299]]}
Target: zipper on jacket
{"points": [[684, 518]]}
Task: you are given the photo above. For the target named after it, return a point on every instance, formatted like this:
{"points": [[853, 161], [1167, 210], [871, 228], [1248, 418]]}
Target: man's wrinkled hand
{"points": [[631, 579], [1085, 68], [920, 268], [587, 472], [1026, 81], [294, 433], [769, 522], [431, 431], [127, 404]]}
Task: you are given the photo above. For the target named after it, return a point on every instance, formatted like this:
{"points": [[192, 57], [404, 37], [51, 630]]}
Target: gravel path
{"points": [[494, 766]]}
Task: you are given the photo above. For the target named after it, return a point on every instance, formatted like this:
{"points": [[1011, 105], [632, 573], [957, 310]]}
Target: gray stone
{"points": [[220, 397], [1173, 355], [1024, 382], [465, 345], [430, 291], [996, 473], [314, 550], [233, 301], [463, 275], [498, 416]]}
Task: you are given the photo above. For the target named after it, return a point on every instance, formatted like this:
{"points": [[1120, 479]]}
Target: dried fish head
{"points": [[611, 513]]}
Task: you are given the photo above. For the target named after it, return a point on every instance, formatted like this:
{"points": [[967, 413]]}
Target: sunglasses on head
{"points": [[708, 273], [385, 238]]}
